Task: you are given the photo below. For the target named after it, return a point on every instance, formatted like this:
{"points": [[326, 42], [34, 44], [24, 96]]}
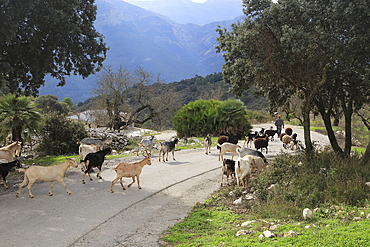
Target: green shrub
{"points": [[310, 181], [202, 117], [60, 136]]}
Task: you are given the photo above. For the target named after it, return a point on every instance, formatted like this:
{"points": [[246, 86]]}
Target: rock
{"points": [[268, 234], [273, 227], [250, 197], [307, 214], [272, 186], [290, 233], [265, 223], [238, 201], [247, 223], [243, 232], [357, 219]]}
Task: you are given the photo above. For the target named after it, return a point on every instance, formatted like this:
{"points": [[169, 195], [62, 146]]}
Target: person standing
{"points": [[279, 123]]}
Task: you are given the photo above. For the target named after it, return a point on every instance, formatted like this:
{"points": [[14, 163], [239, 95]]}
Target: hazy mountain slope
{"points": [[186, 11], [138, 37]]}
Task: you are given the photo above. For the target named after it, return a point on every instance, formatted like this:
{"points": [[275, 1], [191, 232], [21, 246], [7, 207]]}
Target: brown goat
{"points": [[46, 174], [261, 143], [289, 131], [128, 170]]}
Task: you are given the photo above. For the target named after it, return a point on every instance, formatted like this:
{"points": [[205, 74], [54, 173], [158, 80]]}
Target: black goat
{"points": [[228, 170], [249, 138], [270, 134], [95, 160], [5, 168], [166, 147]]}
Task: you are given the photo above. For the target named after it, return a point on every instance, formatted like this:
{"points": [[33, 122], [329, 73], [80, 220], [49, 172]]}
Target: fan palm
{"points": [[18, 117]]}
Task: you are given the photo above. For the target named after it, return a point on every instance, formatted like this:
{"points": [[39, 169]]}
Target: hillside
{"points": [[209, 87], [138, 37]]}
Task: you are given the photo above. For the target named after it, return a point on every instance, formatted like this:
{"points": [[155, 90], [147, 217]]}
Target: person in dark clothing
{"points": [[279, 123]]}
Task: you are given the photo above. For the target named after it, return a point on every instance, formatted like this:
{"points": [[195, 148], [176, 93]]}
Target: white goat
{"points": [[243, 170], [46, 174], [227, 147], [147, 144], [130, 171]]}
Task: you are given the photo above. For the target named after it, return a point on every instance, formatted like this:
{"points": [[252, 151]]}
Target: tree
{"points": [[69, 102], [18, 117], [308, 49], [50, 103], [202, 117], [55, 37], [129, 98]]}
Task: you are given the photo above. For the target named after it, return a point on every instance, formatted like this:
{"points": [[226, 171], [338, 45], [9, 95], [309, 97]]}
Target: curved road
{"points": [[92, 216]]}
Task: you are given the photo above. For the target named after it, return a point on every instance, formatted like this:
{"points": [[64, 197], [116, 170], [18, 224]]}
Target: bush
{"points": [[311, 181], [202, 117], [60, 136]]}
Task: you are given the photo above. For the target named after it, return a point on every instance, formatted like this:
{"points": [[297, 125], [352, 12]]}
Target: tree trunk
{"points": [[329, 129], [306, 109], [348, 112], [366, 158]]}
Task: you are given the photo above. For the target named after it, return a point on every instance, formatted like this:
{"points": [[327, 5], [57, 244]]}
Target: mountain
{"points": [[186, 11], [138, 37]]}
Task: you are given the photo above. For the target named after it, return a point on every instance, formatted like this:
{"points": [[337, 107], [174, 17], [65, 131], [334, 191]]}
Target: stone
{"points": [[265, 223], [243, 232], [290, 233], [247, 223], [268, 234], [238, 201], [307, 214]]}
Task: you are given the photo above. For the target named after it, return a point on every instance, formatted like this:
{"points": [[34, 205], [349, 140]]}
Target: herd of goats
{"points": [[92, 155]]}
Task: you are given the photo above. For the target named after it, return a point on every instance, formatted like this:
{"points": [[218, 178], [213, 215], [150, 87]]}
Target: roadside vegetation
{"points": [[332, 187]]}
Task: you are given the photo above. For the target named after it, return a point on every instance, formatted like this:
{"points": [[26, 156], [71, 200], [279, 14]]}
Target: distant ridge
{"points": [[138, 37]]}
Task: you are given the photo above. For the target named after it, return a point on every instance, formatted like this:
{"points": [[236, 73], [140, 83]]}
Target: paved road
{"points": [[92, 216]]}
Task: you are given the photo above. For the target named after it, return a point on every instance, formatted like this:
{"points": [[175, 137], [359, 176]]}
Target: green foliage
{"points": [[311, 50], [68, 101], [60, 136], [18, 116], [56, 37], [320, 179], [203, 117], [213, 87], [51, 104]]}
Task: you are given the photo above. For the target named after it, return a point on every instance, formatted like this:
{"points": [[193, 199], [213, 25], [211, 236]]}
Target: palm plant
{"points": [[18, 117]]}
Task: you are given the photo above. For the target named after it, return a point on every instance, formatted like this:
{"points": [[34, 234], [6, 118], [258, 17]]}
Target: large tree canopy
{"points": [[55, 37], [315, 50]]}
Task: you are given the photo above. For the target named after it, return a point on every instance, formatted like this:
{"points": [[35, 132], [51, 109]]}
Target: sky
{"points": [[195, 1]]}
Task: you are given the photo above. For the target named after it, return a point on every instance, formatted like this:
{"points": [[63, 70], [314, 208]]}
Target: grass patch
{"points": [[57, 160]]}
